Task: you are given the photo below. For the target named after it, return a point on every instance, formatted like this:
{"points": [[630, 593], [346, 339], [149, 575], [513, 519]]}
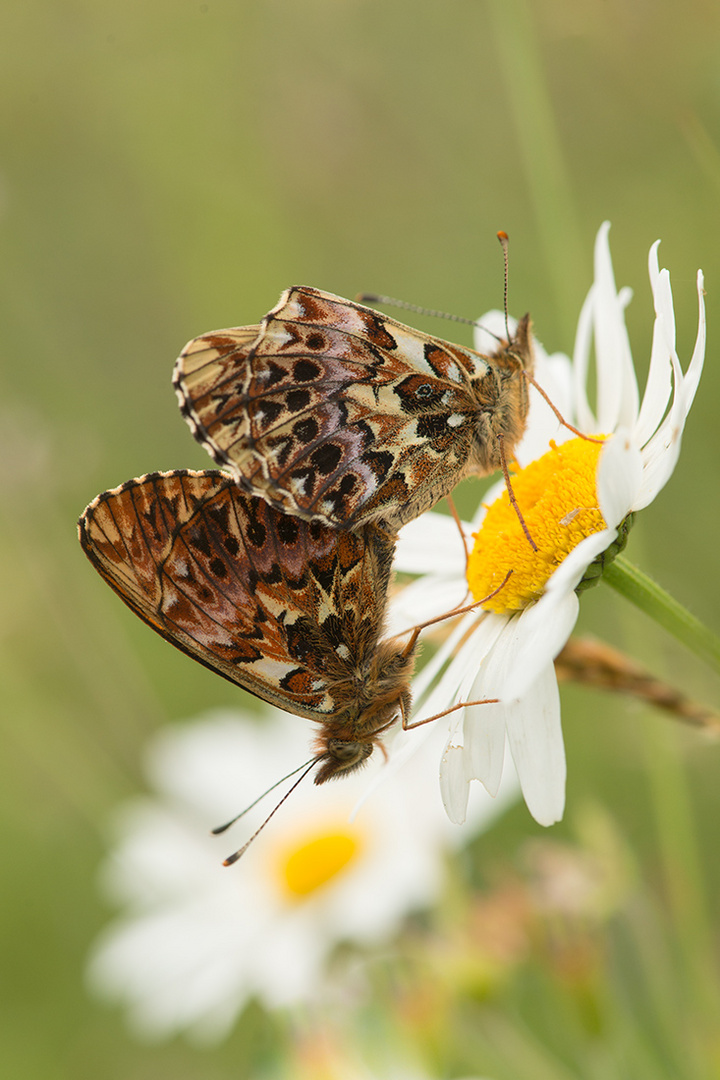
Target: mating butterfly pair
{"points": [[338, 425]]}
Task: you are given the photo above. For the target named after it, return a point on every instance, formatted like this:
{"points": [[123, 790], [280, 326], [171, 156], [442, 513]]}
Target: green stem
{"points": [[659, 605]]}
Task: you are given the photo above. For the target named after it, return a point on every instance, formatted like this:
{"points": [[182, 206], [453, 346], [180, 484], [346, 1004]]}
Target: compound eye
{"points": [[347, 752]]}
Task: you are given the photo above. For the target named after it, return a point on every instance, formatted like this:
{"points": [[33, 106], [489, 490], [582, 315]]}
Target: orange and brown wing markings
{"points": [[209, 381], [133, 535], [290, 610], [126, 533], [337, 413]]}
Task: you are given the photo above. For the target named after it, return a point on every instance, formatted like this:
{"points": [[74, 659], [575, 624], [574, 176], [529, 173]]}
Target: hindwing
{"points": [[288, 609]]}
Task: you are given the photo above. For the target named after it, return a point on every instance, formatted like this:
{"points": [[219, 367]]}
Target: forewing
{"points": [[127, 534], [334, 411], [281, 607]]}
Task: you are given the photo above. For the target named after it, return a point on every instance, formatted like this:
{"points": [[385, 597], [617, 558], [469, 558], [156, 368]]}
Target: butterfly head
{"points": [[342, 756], [503, 396], [513, 358], [376, 699]]}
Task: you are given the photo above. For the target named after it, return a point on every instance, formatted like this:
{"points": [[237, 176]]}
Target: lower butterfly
{"points": [[337, 413], [290, 610]]}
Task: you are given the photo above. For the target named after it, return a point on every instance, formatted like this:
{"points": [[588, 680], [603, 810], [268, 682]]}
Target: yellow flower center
{"points": [[308, 866], [557, 495]]}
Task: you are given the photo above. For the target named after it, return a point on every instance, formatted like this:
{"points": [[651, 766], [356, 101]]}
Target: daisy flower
{"points": [[197, 940], [576, 497]]}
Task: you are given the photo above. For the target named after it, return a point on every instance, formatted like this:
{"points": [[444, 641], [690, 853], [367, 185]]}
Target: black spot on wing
{"points": [[306, 370], [316, 531], [219, 514], [326, 458], [299, 640], [377, 331], [324, 574], [231, 544], [288, 529], [335, 497], [434, 428], [254, 529], [273, 576], [273, 374], [198, 538], [306, 431], [297, 400], [335, 631], [268, 411], [380, 461]]}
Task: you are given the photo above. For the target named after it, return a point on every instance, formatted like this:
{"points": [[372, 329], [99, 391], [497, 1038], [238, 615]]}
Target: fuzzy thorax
{"points": [[503, 400]]}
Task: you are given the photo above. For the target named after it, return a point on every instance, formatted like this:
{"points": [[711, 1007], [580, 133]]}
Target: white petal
{"points": [[694, 371], [530, 642], [617, 386], [581, 364], [489, 328], [555, 376], [484, 737], [431, 544], [469, 656], [425, 599], [662, 451], [454, 787], [292, 958], [659, 381], [619, 476], [536, 744]]}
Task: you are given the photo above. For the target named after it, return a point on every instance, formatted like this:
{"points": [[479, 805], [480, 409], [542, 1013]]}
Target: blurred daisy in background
{"points": [[576, 496], [197, 940]]}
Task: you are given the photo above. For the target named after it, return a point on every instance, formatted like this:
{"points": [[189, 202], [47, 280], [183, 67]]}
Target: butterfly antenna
{"points": [[222, 828], [241, 851], [505, 242], [389, 301]]}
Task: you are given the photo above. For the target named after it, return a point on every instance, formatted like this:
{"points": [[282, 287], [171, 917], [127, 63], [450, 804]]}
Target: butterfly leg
{"points": [[511, 493], [453, 708], [458, 522]]}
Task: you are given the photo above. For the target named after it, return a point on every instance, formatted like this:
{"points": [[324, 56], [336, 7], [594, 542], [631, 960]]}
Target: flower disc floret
{"points": [[557, 495], [307, 866]]}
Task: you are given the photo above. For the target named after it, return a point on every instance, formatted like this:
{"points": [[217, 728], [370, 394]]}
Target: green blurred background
{"points": [[169, 167]]}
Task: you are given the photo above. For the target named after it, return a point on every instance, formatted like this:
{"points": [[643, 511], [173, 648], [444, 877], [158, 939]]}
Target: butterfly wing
{"points": [[282, 607], [333, 411]]}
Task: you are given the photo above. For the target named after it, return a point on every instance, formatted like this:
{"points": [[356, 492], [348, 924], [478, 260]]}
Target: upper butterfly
{"points": [[334, 412], [290, 610]]}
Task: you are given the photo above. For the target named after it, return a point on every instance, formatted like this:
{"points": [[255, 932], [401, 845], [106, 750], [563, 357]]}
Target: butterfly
{"points": [[290, 610], [334, 412]]}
